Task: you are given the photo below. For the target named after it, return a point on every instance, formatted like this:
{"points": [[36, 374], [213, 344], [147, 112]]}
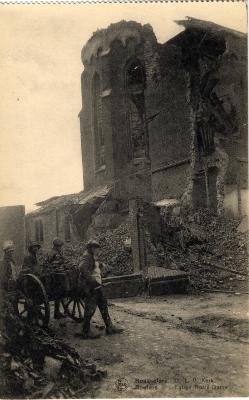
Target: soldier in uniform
{"points": [[91, 285], [8, 277], [30, 263], [56, 257]]}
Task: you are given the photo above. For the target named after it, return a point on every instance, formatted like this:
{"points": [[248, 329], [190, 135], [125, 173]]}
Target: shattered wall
{"points": [[170, 125], [168, 112], [198, 117]]}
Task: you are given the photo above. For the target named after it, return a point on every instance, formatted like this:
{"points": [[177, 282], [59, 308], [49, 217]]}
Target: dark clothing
{"points": [[5, 274], [56, 257], [8, 275], [86, 267], [30, 265], [93, 293], [93, 300]]}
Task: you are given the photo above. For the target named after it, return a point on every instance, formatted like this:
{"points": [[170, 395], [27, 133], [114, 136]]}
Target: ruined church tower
{"points": [[113, 119]]}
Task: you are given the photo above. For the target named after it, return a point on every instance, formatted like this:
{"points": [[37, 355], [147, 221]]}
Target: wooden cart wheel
{"points": [[74, 307], [32, 303]]}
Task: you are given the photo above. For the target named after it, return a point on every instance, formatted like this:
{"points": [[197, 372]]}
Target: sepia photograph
{"points": [[124, 200]]}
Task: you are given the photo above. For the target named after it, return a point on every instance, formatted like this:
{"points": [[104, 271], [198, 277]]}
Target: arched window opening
{"points": [[135, 74], [97, 123], [39, 236], [136, 121]]}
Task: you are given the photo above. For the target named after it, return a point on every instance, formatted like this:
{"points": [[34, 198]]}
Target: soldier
{"points": [[56, 257], [30, 263], [8, 277], [91, 284]]}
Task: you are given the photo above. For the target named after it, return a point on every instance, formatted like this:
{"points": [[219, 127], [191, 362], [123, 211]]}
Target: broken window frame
{"points": [[135, 100], [99, 138]]}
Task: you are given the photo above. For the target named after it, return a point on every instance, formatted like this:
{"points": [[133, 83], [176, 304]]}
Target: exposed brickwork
{"points": [[168, 119], [174, 123]]}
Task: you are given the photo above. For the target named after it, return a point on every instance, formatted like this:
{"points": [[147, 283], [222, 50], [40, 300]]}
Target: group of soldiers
{"points": [[90, 281]]}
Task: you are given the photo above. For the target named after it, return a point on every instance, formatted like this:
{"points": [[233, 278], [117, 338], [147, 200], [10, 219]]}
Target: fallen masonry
{"points": [[213, 250], [35, 363]]}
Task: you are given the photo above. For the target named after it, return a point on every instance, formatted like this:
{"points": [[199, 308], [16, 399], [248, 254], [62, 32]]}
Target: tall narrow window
{"points": [[135, 85], [67, 229], [39, 235], [97, 123]]}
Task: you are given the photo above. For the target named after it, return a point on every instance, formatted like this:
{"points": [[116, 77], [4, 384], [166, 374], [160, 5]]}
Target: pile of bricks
{"points": [[208, 248]]}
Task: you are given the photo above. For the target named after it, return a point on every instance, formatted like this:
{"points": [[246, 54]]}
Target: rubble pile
{"points": [[114, 252], [72, 256], [212, 249], [33, 362]]}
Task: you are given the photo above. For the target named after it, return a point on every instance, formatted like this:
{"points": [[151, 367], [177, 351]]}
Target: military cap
{"points": [[57, 242], [92, 243], [34, 244], [8, 245]]}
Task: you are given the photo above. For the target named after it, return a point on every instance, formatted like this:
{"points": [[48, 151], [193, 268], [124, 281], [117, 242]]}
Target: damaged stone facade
{"points": [[67, 217], [168, 121], [161, 125]]}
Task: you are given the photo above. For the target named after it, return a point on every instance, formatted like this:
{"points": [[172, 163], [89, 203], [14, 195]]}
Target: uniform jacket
{"points": [[56, 257], [86, 267], [30, 265], [5, 273], [7, 280]]}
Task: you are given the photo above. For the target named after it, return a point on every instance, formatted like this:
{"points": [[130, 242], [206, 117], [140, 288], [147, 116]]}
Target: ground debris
{"points": [[37, 364]]}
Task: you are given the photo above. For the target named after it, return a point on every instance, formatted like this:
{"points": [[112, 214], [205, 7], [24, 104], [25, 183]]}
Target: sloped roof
{"points": [[80, 198], [195, 23]]}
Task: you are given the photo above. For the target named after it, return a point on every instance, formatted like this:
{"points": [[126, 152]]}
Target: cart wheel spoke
{"points": [[33, 303], [74, 306], [79, 309], [74, 309], [70, 301], [81, 302]]}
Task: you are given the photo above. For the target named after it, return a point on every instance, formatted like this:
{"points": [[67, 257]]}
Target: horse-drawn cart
{"points": [[35, 292]]}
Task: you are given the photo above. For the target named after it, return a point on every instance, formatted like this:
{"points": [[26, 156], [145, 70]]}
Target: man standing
{"points": [[56, 257], [8, 277], [30, 263], [91, 284]]}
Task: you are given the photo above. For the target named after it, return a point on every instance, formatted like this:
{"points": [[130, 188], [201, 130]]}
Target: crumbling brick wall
{"points": [[194, 81], [170, 126]]}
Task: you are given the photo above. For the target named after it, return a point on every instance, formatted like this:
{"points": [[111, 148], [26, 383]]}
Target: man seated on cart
{"points": [[30, 262], [91, 286]]}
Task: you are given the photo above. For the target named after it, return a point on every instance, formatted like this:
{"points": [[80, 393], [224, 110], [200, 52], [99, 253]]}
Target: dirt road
{"points": [[157, 357]]}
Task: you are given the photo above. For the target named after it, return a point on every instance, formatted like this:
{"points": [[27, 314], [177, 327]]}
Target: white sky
{"points": [[40, 98]]}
